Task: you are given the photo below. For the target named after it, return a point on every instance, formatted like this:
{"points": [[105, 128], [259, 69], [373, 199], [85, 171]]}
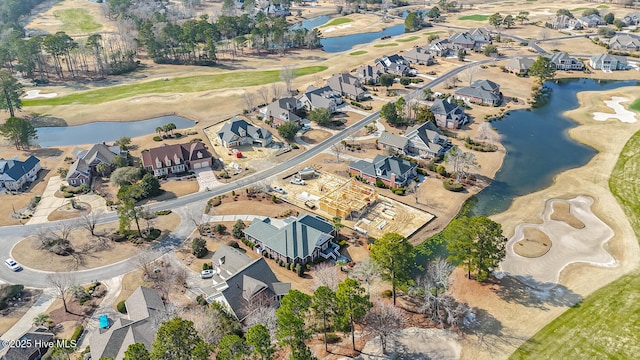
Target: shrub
{"points": [[387, 294], [76, 333], [452, 185], [207, 266], [440, 169], [342, 242], [405, 81], [3, 305], [332, 338], [153, 234], [121, 307], [157, 138], [67, 195], [299, 270], [201, 300], [265, 253], [291, 266], [380, 184], [163, 212], [199, 247], [233, 244]]}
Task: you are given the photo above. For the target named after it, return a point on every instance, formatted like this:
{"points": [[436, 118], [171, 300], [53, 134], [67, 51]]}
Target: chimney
{"points": [[393, 180]]}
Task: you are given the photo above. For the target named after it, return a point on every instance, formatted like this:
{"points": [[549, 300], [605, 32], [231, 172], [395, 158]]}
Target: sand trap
{"points": [[339, 27], [570, 245], [535, 243], [621, 113], [415, 343], [34, 94]]}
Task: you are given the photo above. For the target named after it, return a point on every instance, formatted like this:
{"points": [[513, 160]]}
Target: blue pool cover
{"points": [[104, 321]]}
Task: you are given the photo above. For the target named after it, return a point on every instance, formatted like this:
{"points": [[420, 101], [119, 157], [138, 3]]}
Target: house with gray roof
{"points": [[423, 140], [298, 240], [418, 55], [393, 171], [249, 284], [368, 74], [282, 111], [83, 169], [393, 64], [632, 18], [592, 20], [562, 61], [144, 308], [484, 92], [481, 37], [519, 65], [463, 41], [347, 85], [237, 132], [624, 42], [448, 115], [442, 48], [14, 174], [320, 98], [565, 22], [167, 160], [33, 345], [607, 62]]}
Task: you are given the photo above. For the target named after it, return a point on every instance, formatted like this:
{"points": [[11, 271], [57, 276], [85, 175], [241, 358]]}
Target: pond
{"points": [[97, 132], [538, 145]]}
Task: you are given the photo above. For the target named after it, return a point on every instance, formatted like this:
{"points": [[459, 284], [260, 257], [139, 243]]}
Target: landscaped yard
{"points": [[177, 85], [337, 21], [605, 324], [476, 17], [77, 21]]}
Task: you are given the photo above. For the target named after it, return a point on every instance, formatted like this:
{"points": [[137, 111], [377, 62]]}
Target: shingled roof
{"points": [[383, 166], [13, 170], [237, 128]]}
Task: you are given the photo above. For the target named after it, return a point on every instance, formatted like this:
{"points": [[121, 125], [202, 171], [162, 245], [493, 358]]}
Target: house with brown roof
{"points": [[144, 308], [175, 159], [83, 169]]}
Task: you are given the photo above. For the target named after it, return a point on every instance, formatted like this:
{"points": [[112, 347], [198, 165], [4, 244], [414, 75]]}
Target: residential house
{"points": [[442, 48], [424, 140], [624, 42], [282, 111], [32, 345], [298, 240], [562, 61], [14, 174], [591, 21], [519, 65], [347, 85], [394, 65], [175, 159], [565, 22], [485, 92], [482, 37], [392, 171], [83, 169], [240, 281], [632, 18], [320, 98], [606, 62], [269, 8], [144, 308], [418, 55], [239, 132], [368, 74], [448, 115], [463, 41]]}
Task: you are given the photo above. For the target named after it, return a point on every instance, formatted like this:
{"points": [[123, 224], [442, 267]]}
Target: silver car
{"points": [[206, 274], [13, 265]]}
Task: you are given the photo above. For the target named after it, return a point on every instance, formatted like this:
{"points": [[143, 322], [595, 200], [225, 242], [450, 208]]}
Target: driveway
{"points": [[206, 179]]}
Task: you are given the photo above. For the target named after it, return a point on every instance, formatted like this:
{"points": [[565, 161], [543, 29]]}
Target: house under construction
{"points": [[348, 200]]}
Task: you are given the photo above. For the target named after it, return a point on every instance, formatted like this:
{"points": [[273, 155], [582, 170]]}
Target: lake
{"points": [[97, 132], [538, 145]]}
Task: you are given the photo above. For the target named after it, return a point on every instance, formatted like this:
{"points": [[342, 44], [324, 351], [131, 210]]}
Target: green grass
{"points": [[476, 17], [635, 105], [606, 324], [184, 84], [77, 21], [359, 52], [411, 38], [337, 21], [433, 32], [579, 9], [602, 7], [385, 45]]}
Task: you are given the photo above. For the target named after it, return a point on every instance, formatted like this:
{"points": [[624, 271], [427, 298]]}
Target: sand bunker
{"points": [[34, 94], [621, 113], [569, 245], [339, 27], [535, 243]]}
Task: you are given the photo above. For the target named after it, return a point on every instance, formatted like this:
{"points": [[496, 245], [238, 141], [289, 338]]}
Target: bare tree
{"points": [[366, 271], [264, 94], [149, 218], [470, 74], [325, 274], [461, 162], [61, 282], [248, 99], [90, 220], [486, 132], [276, 90], [145, 263], [338, 149], [452, 82], [383, 321], [287, 75]]}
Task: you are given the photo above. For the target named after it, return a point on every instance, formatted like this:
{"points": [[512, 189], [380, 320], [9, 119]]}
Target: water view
{"points": [[538, 145], [98, 132]]}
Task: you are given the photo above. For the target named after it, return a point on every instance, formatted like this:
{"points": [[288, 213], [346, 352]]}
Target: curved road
{"points": [[11, 235]]}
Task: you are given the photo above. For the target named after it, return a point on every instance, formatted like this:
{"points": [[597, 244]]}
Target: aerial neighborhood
{"points": [[319, 180]]}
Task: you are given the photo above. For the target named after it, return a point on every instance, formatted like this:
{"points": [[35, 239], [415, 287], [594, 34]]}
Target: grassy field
{"points": [[635, 105], [411, 38], [606, 324], [359, 52], [77, 21], [337, 21], [433, 32], [602, 7], [476, 17], [184, 84], [385, 45]]}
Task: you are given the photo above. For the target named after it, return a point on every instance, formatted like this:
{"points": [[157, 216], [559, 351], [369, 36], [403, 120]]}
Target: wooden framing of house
{"points": [[350, 200]]}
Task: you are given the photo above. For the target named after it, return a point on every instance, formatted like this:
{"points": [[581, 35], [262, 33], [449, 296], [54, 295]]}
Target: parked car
{"points": [[206, 274], [310, 204], [279, 189], [13, 265], [297, 181]]}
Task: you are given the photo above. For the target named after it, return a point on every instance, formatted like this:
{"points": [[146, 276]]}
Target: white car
{"points": [[279, 189], [206, 274], [13, 265], [297, 181]]}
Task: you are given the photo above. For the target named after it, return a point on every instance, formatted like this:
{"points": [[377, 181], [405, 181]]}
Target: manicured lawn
{"points": [[77, 21], [635, 105], [359, 52], [476, 17], [385, 45], [337, 21], [177, 85], [606, 324], [412, 38]]}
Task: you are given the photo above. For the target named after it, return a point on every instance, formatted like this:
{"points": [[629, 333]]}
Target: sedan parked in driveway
{"points": [[297, 181], [206, 274], [13, 265], [279, 189]]}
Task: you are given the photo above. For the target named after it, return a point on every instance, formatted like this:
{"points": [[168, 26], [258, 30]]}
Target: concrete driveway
{"points": [[206, 179]]}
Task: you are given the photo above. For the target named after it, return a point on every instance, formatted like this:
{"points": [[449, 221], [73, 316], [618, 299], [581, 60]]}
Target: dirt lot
{"points": [[90, 251]]}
